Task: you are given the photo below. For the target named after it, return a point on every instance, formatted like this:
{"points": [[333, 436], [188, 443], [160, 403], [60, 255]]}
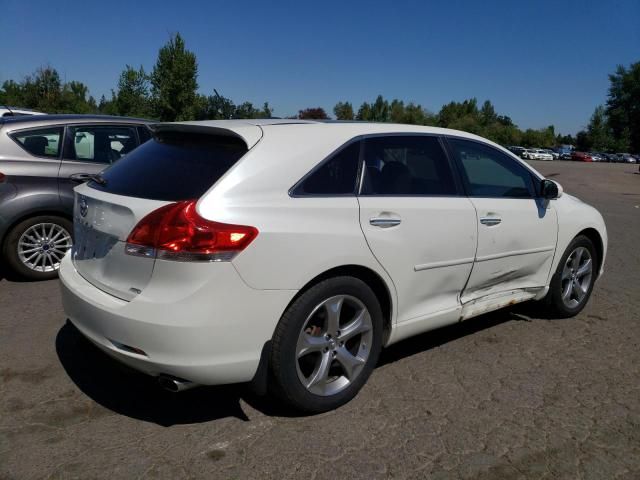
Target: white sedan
{"points": [[537, 154], [289, 253]]}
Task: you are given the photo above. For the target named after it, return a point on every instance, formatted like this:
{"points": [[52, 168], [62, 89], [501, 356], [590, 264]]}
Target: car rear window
{"points": [[172, 166]]}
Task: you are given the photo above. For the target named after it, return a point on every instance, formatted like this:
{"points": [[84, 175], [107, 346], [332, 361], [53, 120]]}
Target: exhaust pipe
{"points": [[174, 384]]}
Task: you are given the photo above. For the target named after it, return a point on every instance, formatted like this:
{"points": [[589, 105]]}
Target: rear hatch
{"points": [[180, 163]]}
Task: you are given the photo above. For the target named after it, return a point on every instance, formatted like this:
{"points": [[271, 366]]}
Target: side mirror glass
{"points": [[550, 190]]}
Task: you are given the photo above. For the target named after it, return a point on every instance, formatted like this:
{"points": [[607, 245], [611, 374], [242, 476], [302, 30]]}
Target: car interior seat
{"points": [[36, 145]]}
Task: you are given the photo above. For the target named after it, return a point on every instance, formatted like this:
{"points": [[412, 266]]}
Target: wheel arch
{"points": [[368, 276], [33, 213], [595, 237], [259, 383]]}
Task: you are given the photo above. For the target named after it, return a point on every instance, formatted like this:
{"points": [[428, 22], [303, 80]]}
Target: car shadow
{"points": [[7, 275], [128, 392]]}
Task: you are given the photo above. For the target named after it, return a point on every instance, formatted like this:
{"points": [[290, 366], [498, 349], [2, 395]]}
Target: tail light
{"points": [[177, 232], [2, 177]]}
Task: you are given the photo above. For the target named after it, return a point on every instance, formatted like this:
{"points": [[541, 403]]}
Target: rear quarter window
{"points": [[172, 166], [40, 142]]}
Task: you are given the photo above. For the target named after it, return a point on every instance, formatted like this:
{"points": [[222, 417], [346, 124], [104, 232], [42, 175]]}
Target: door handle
{"points": [[384, 222], [490, 221], [81, 177]]}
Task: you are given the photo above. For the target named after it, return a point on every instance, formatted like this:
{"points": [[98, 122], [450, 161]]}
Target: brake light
{"points": [[177, 232], [2, 177]]}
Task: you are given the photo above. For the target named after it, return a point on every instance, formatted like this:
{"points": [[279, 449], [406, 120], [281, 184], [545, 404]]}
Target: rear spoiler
{"points": [[248, 133]]}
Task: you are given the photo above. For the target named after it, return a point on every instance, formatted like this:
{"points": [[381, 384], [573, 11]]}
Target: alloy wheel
{"points": [[576, 277], [334, 345], [42, 246]]}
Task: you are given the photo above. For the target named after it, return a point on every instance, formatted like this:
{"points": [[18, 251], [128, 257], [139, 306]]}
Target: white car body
{"points": [[539, 154], [555, 155], [208, 322]]}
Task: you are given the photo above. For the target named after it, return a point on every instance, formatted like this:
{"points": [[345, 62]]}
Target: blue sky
{"points": [[540, 62]]}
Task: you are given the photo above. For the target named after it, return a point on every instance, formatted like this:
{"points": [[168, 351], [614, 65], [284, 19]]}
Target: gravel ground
{"points": [[505, 396]]}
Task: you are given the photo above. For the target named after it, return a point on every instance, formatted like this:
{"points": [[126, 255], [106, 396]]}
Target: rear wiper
{"points": [[86, 177]]}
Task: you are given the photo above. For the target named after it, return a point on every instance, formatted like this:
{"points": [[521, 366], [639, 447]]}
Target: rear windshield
{"points": [[172, 166]]}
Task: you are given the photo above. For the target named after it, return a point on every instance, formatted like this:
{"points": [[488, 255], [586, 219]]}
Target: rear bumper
{"points": [[201, 322]]}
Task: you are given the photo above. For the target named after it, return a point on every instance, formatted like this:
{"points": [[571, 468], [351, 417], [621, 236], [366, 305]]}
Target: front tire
{"points": [[326, 345], [34, 248], [573, 281]]}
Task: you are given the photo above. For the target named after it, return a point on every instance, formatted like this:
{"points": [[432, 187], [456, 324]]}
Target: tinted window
{"points": [[173, 166], [100, 144], [144, 134], [406, 165], [336, 176], [488, 172], [43, 142]]}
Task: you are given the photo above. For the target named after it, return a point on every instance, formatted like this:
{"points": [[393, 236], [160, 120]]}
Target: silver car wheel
{"points": [[576, 277], [334, 345], [42, 246]]}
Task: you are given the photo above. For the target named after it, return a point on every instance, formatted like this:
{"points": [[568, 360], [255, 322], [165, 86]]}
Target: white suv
{"points": [[288, 253]]}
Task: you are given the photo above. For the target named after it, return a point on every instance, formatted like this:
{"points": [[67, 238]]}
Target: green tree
{"points": [[316, 113], [132, 95], [488, 113], [456, 114], [623, 107], [247, 110], [565, 140], [343, 111], [583, 141], [107, 107], [174, 81], [75, 98], [600, 138], [12, 93], [364, 112]]}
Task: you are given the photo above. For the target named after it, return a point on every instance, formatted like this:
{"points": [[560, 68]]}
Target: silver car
{"points": [[42, 157]]}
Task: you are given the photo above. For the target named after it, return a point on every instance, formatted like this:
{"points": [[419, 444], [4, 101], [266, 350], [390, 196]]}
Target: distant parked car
{"points": [[596, 157], [17, 112], [581, 157], [42, 158], [537, 154], [517, 150], [555, 155], [626, 158]]}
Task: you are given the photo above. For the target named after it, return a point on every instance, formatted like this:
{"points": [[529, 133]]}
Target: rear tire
{"points": [[572, 283], [326, 345], [33, 248]]}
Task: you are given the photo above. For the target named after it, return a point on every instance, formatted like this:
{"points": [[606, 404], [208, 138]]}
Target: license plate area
{"points": [[91, 244]]}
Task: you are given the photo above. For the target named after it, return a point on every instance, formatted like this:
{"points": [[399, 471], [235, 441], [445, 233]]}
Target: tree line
{"points": [[170, 93]]}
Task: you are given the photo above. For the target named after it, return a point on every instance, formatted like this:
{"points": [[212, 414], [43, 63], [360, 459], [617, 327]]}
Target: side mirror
{"points": [[550, 190]]}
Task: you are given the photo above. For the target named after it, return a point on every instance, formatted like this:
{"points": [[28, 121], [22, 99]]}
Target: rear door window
{"points": [[406, 165], [173, 166], [42, 142], [100, 144]]}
